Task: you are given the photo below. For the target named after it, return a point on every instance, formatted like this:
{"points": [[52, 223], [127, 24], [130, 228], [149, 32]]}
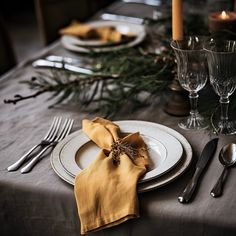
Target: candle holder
{"points": [[178, 102], [221, 21]]}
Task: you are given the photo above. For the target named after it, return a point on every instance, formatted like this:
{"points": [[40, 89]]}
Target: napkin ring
{"points": [[118, 148]]}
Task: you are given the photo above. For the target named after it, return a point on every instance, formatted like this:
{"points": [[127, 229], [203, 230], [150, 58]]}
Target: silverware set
{"points": [[206, 155], [57, 131], [43, 63], [82, 66], [227, 158], [72, 65]]}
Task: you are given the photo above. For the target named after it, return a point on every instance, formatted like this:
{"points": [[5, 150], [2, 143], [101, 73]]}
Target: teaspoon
{"points": [[227, 158]]}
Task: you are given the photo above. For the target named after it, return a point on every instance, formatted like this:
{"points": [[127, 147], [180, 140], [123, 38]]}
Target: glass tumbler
{"points": [[192, 75], [221, 58]]}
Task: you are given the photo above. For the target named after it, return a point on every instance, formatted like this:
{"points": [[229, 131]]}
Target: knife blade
{"points": [[86, 63], [116, 17], [61, 59], [59, 65], [206, 155], [154, 3], [42, 63]]}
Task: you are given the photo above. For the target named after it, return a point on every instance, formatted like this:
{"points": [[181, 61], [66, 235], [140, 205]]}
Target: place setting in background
{"points": [[96, 37], [101, 36]]}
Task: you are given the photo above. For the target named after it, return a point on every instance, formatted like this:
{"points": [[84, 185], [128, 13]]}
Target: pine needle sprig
{"points": [[136, 72]]}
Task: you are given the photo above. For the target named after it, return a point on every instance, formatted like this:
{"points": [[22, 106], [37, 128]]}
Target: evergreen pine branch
{"points": [[136, 73]]}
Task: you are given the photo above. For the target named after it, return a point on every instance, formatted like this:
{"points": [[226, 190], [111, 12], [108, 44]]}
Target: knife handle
{"points": [[187, 193], [218, 188], [34, 161], [24, 158]]}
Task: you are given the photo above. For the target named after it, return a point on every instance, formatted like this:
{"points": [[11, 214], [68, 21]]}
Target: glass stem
{"points": [[224, 104], [193, 96]]}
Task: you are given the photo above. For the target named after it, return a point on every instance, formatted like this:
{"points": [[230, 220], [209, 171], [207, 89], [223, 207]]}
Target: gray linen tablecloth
{"points": [[40, 203]]}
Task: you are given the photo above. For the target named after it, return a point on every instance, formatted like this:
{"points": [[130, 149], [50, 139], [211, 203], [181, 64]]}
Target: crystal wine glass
{"points": [[221, 58], [192, 75]]}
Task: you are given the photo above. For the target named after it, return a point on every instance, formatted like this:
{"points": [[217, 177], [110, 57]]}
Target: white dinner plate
{"points": [[164, 150], [73, 43], [179, 169]]}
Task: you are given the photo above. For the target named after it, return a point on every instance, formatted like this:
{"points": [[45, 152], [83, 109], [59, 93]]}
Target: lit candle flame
{"points": [[224, 15]]}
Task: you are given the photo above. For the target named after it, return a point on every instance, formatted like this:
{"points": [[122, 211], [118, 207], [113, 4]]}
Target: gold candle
{"points": [[177, 19]]}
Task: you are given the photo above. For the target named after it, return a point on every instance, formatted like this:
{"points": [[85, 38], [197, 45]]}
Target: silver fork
{"points": [[53, 130], [65, 130]]}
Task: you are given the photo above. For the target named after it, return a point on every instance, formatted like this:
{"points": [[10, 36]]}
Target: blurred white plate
{"points": [[73, 43]]}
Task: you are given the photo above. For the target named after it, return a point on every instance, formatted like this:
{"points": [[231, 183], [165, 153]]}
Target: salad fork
{"points": [[65, 130], [50, 135]]}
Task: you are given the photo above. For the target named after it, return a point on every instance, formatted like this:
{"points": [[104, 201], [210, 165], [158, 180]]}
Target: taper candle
{"points": [[177, 19]]}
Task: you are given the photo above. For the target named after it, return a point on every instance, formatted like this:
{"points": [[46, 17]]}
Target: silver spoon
{"points": [[227, 158]]}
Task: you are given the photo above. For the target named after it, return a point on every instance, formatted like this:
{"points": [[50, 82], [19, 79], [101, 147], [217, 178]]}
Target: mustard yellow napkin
{"points": [[105, 191], [103, 33], [78, 29]]}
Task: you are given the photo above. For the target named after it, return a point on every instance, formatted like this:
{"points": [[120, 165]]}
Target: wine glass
{"points": [[192, 75], [221, 58]]}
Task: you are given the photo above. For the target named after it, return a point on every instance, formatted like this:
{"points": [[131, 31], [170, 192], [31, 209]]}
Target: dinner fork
{"points": [[65, 130], [50, 135]]}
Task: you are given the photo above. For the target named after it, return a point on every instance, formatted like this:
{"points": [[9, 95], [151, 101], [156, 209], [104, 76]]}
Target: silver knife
{"points": [[59, 65], [81, 62], [84, 62], [130, 19], [154, 3], [42, 63], [68, 60], [206, 155]]}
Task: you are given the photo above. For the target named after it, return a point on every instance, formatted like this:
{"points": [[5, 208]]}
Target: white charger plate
{"points": [[168, 177], [72, 43], [164, 150]]}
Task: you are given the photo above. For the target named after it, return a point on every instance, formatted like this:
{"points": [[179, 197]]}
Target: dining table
{"points": [[42, 203]]}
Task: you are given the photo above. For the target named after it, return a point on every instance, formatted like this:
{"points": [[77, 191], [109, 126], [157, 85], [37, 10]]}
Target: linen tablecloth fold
{"points": [[105, 191]]}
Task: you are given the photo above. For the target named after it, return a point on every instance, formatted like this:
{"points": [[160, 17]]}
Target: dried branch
{"points": [[19, 97]]}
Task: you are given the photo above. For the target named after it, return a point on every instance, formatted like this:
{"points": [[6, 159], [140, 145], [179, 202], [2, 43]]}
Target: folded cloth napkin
{"points": [[103, 33], [78, 29], [105, 191]]}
